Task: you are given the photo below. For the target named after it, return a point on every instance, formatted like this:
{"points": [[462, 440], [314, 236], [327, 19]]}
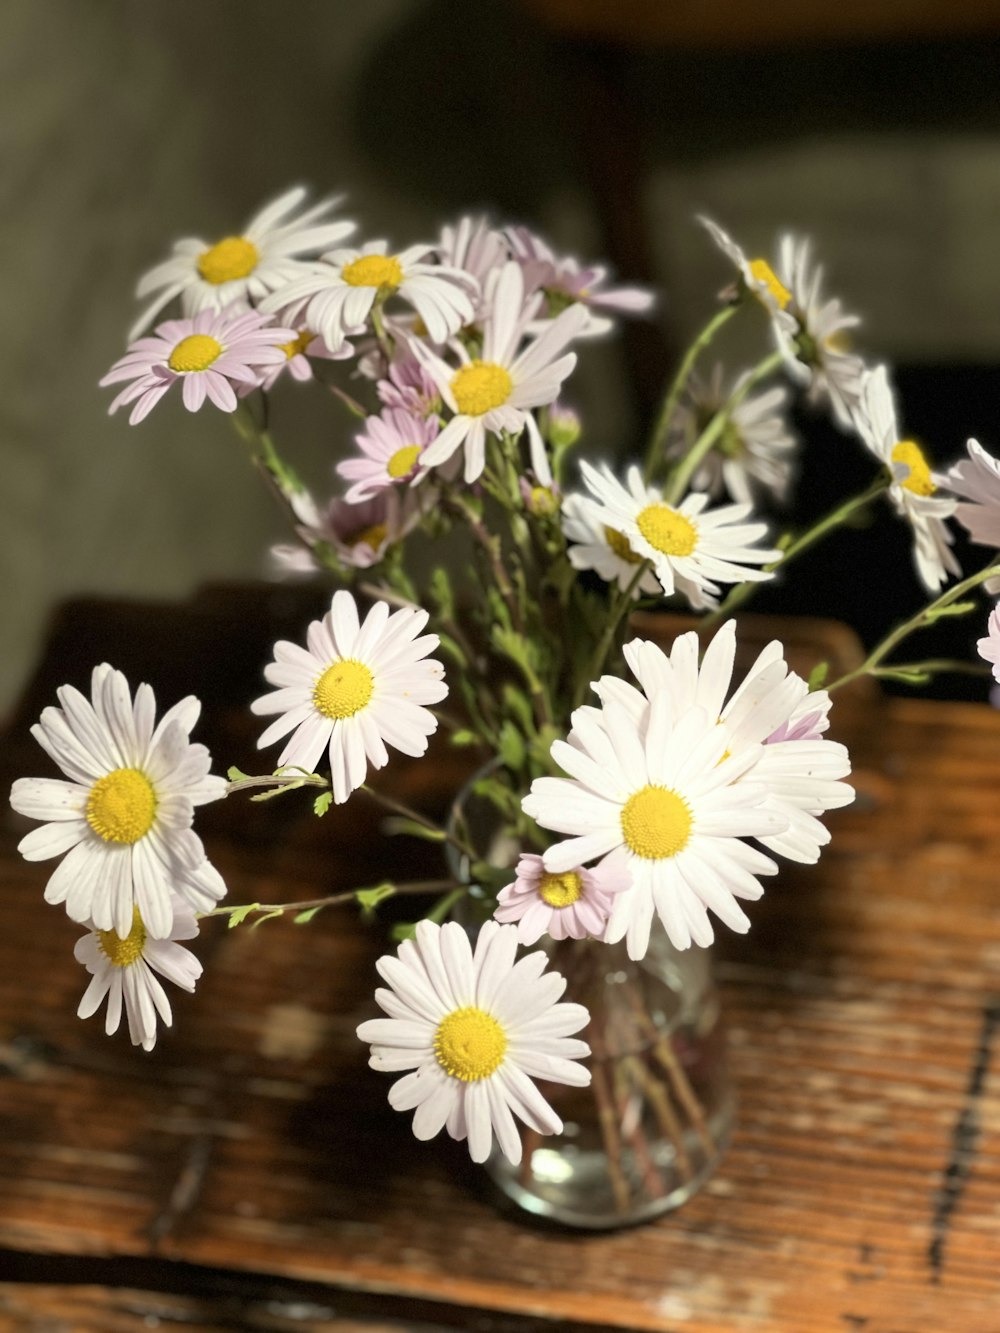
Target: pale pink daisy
{"points": [[408, 387], [494, 393], [123, 971], [563, 282], [210, 355], [570, 905], [356, 535], [976, 482], [472, 1030], [475, 248], [391, 446], [355, 687], [267, 254], [300, 353], [124, 817], [989, 648]]}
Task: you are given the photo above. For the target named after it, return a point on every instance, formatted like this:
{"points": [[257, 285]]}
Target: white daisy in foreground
{"points": [[601, 548], [572, 905], [267, 254], [357, 686], [693, 549], [989, 648], [123, 972], [976, 481], [913, 491], [391, 446], [207, 355], [337, 295], [770, 706], [494, 392], [664, 799], [755, 450], [473, 1030], [125, 816]]}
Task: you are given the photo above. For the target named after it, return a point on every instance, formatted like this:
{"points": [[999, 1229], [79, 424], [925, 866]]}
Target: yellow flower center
{"points": [[560, 890], [372, 536], [469, 1044], [619, 544], [666, 530], [344, 688], [195, 352], [124, 952], [229, 259], [121, 806], [402, 461], [919, 479], [373, 271], [656, 822], [480, 386], [298, 345], [764, 273]]}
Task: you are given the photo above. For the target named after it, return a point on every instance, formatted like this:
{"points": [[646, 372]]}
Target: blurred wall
{"points": [[125, 125]]}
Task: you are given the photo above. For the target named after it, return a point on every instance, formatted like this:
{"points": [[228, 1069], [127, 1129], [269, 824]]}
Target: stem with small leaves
{"points": [[615, 616]]}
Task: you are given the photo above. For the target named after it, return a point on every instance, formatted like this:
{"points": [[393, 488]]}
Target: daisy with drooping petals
{"points": [[208, 355], [564, 282], [357, 686], [266, 255], [356, 535], [665, 800], [756, 276], [601, 548], [494, 392], [124, 818], [771, 706], [693, 549], [337, 295], [408, 387], [976, 481], [753, 453], [573, 905], [913, 491], [473, 1030], [391, 445], [123, 968], [300, 352], [475, 248]]}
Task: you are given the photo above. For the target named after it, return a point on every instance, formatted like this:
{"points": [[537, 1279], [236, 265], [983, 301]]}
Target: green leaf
{"points": [[518, 705], [301, 918], [903, 676], [512, 748], [394, 825], [234, 774], [268, 916], [237, 915], [453, 648], [441, 594], [370, 898], [953, 609], [322, 803], [403, 930], [818, 675]]}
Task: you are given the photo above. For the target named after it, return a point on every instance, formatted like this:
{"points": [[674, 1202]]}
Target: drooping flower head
{"points": [[472, 1030], [976, 481], [358, 535], [475, 248], [124, 817], [571, 905], [357, 686], [564, 281]]}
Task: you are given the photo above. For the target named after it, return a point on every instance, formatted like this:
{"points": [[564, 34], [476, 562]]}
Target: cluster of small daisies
{"points": [[680, 787]]}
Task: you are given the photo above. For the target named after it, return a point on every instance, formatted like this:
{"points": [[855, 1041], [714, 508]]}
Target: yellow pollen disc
{"points": [[121, 806], [344, 688], [401, 463], [229, 259], [656, 823], [560, 890], [763, 272], [666, 530], [469, 1044], [372, 536], [919, 480], [124, 952], [298, 345], [619, 544], [195, 352], [373, 271], [480, 386]]}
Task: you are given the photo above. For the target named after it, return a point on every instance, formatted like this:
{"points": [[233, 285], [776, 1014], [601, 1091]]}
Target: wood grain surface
{"points": [[254, 1146]]}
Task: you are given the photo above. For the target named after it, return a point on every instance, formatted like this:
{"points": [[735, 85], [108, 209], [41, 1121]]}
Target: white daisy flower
{"points": [[756, 276], [210, 356], [123, 972], [693, 549], [474, 1030], [976, 481], [913, 491], [337, 295], [125, 816], [357, 686], [664, 798], [754, 452], [391, 446], [495, 392], [771, 706], [266, 255], [573, 905], [601, 548]]}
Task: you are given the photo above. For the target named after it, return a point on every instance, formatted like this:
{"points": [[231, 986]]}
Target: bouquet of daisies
{"points": [[639, 793]]}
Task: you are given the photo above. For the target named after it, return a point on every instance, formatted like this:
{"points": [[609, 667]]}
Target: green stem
{"points": [[926, 616], [378, 324], [660, 431], [677, 482], [407, 812], [332, 900], [933, 665], [607, 638], [291, 781]]}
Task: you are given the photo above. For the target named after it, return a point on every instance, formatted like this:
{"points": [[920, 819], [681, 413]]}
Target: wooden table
{"points": [[249, 1174]]}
